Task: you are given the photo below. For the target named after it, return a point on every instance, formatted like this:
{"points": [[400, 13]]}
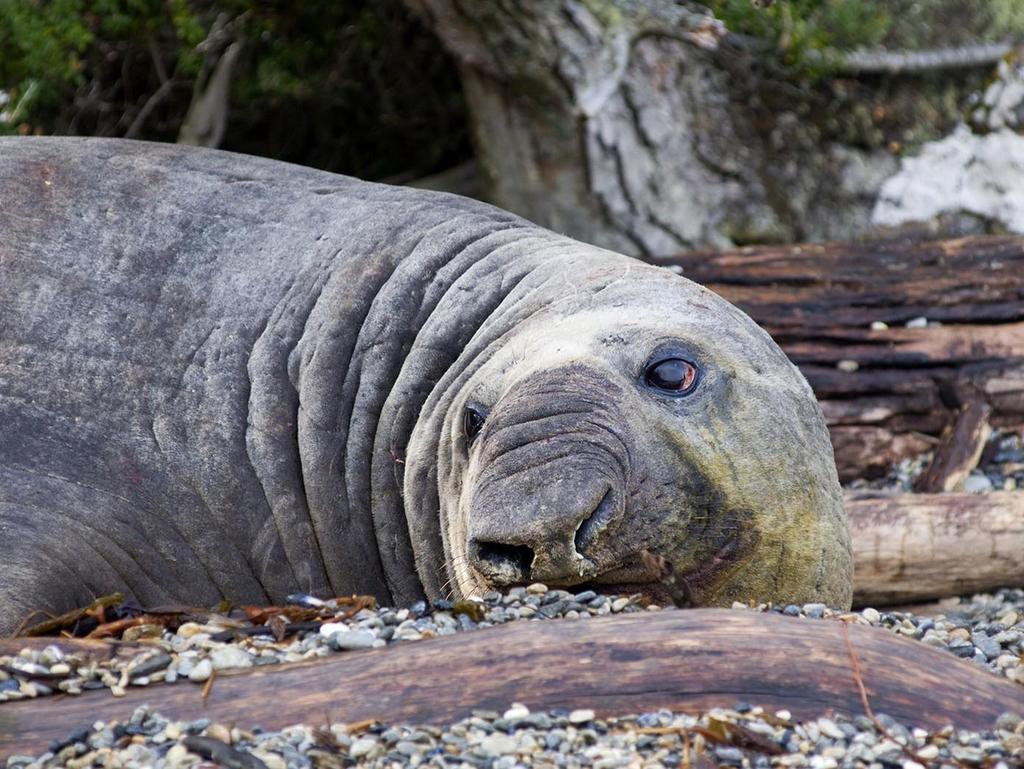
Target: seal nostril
{"points": [[594, 523], [503, 563]]}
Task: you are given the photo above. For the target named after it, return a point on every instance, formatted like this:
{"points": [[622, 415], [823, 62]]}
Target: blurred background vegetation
{"points": [[362, 87], [353, 87], [349, 86]]}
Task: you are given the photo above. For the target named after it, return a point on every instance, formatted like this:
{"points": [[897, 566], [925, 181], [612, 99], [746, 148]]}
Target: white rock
{"points": [[581, 716], [977, 484], [872, 615], [962, 173], [362, 747], [516, 712], [202, 670], [928, 753], [330, 628], [498, 745], [229, 657]]}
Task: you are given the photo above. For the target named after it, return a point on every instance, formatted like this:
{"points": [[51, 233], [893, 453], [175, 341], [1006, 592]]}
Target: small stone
{"points": [[878, 325], [517, 712], [143, 631], [966, 754], [732, 756], [537, 588], [190, 629], [407, 748], [619, 604], [202, 670], [848, 366], [271, 760], [351, 640], [497, 745], [988, 646], [830, 729], [330, 628], [581, 716], [977, 483], [928, 753], [177, 755], [919, 322], [362, 747], [230, 657], [871, 615], [60, 669], [219, 732], [814, 610]]}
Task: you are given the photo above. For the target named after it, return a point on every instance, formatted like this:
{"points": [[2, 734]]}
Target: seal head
{"points": [[637, 426]]}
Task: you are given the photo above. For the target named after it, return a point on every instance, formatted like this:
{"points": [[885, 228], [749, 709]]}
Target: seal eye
{"points": [[674, 375], [472, 421]]}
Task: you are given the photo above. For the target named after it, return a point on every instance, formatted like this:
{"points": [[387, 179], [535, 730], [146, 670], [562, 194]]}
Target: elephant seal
{"points": [[228, 377]]}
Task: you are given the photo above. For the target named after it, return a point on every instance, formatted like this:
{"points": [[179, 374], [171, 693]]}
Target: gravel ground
{"points": [[987, 629], [738, 737], [1001, 468]]}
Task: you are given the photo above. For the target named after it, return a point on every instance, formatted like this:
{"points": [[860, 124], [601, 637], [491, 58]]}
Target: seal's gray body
{"points": [[212, 367], [198, 349]]}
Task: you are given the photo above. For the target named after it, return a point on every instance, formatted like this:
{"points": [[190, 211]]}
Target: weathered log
{"points": [[684, 660], [888, 391], [914, 547], [959, 450]]}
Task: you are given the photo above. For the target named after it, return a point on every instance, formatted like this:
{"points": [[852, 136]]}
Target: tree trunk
{"points": [[684, 660], [841, 313], [644, 127], [607, 121]]}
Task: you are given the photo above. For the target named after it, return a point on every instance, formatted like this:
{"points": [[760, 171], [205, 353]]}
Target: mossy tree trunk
{"points": [[607, 120]]}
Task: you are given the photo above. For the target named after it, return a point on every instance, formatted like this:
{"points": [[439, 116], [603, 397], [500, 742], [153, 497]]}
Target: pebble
{"points": [[227, 658], [350, 640], [977, 483], [202, 670], [581, 716], [987, 629], [489, 740]]}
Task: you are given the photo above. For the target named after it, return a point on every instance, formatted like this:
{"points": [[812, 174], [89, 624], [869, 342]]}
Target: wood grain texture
{"points": [[819, 303], [959, 450], [685, 660], [914, 547]]}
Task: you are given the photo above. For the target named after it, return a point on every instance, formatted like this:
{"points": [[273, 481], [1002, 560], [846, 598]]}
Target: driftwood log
{"points": [[888, 392], [914, 547], [684, 660]]}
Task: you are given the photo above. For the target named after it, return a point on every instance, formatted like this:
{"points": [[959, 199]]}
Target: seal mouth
{"points": [[656, 579]]}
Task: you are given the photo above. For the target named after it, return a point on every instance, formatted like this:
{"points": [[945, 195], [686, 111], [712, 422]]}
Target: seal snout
{"points": [[558, 551], [553, 468]]}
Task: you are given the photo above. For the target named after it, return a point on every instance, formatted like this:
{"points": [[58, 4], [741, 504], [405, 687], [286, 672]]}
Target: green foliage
{"points": [[809, 34], [355, 87], [1009, 15]]}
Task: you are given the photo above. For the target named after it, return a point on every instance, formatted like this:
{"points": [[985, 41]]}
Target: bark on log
{"points": [[915, 547], [685, 660], [888, 393]]}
